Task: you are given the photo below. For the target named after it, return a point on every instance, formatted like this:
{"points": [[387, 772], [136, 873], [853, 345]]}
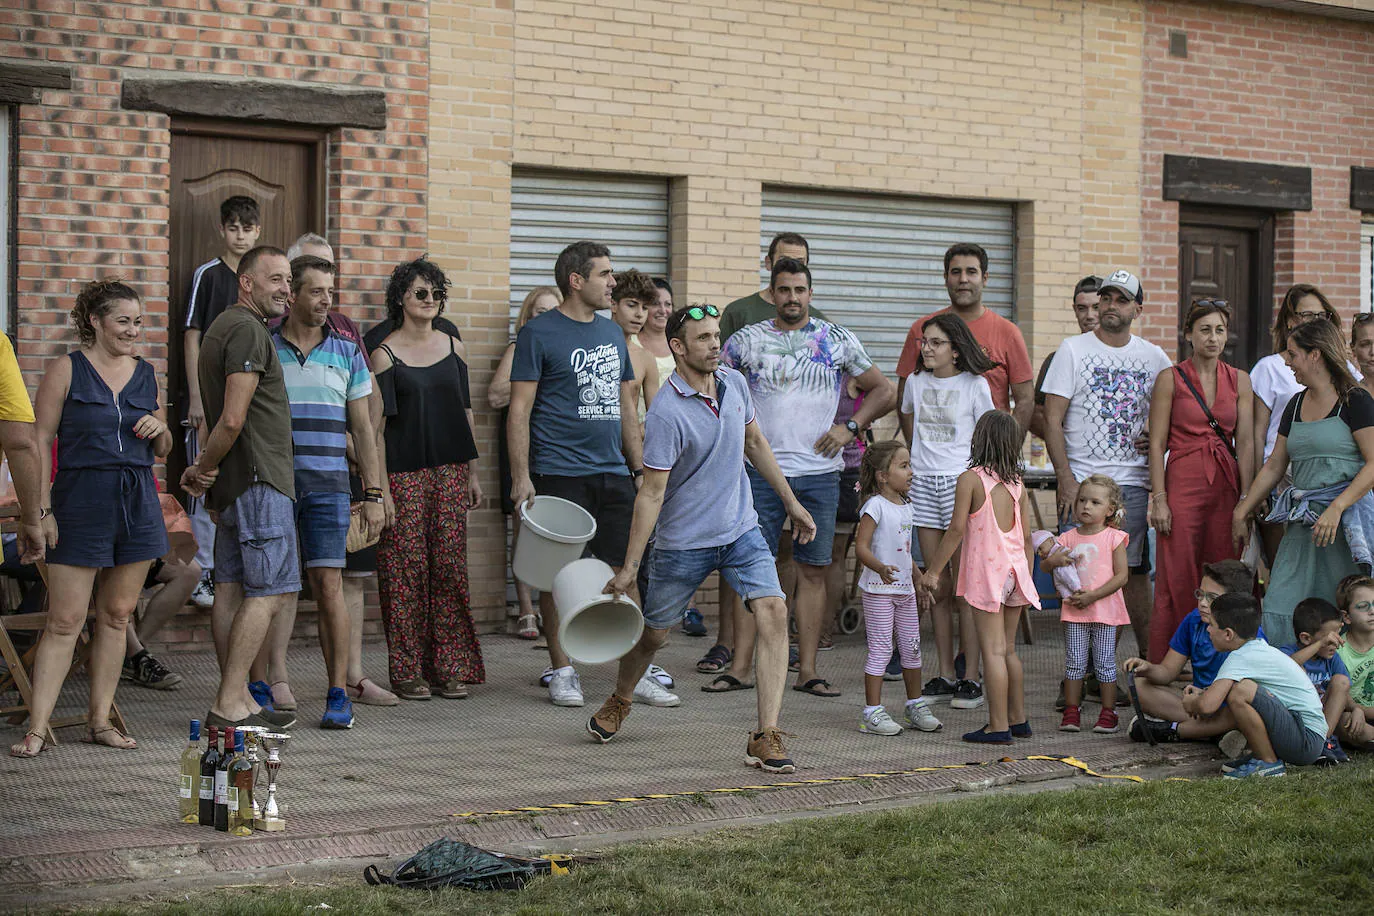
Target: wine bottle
{"points": [[222, 783], [189, 799], [208, 761], [240, 791]]}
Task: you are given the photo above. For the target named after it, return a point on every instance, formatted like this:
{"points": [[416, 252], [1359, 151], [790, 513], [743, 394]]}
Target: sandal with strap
{"points": [[412, 690], [716, 659], [93, 736], [22, 749], [527, 627]]}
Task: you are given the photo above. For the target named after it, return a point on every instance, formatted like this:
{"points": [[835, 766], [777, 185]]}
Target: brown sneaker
{"points": [[767, 753], [604, 725]]}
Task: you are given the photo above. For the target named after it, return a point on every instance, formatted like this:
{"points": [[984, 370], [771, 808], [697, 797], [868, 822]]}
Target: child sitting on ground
{"points": [[1092, 612], [1317, 624], [1161, 715], [1356, 596], [1066, 579], [1275, 705]]}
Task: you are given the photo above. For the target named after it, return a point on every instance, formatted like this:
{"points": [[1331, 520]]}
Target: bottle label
{"points": [[186, 786], [221, 787], [232, 792], [207, 788]]}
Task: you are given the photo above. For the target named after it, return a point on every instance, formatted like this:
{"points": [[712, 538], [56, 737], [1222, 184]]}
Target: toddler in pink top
{"points": [[1093, 612]]}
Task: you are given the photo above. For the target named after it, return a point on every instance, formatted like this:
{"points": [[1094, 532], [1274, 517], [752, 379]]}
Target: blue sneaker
{"points": [[338, 710], [1332, 754], [1256, 767], [262, 694], [693, 624]]}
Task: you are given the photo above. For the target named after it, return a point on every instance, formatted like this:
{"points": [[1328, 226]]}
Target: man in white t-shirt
{"points": [[1097, 403]]}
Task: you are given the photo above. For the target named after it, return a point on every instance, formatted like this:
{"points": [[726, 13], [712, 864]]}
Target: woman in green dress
{"points": [[1326, 439]]}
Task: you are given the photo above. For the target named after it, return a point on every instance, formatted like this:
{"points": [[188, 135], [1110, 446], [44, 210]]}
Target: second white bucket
{"points": [[553, 533], [592, 626]]}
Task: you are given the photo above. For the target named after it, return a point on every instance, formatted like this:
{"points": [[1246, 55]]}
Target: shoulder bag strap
{"points": [[1211, 420]]}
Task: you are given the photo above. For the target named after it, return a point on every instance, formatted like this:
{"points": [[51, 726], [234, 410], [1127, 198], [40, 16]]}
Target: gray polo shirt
{"points": [[700, 442]]}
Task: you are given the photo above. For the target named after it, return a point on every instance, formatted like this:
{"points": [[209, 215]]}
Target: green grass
{"points": [[1262, 846]]}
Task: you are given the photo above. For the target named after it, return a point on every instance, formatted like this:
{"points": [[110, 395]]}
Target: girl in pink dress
{"points": [[1092, 614], [994, 577]]}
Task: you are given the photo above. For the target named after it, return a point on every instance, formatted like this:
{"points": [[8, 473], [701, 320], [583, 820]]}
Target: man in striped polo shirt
{"points": [[327, 385]]}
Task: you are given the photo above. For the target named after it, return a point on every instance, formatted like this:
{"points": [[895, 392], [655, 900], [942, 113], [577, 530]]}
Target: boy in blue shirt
{"points": [[1317, 625], [1269, 695], [1164, 717]]}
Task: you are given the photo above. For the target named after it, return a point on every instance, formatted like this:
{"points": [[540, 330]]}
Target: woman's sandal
{"points": [[22, 749], [95, 736], [450, 690], [717, 658], [411, 690], [725, 683], [527, 627]]}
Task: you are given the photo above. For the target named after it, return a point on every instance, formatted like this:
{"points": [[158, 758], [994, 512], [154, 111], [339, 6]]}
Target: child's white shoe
{"points": [[919, 716], [878, 722]]}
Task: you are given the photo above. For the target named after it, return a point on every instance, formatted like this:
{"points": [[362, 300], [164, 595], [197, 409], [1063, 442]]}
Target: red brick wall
{"points": [[1267, 86], [93, 180]]}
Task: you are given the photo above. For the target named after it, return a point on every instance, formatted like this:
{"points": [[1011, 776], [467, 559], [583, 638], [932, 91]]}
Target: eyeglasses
{"points": [[696, 313], [1310, 316], [1205, 597], [1362, 606], [422, 294], [933, 342]]}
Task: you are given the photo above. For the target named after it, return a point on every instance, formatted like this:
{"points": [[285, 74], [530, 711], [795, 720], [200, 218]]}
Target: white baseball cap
{"points": [[1125, 281]]}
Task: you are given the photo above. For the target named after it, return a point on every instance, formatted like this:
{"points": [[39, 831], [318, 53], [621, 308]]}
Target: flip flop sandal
{"points": [[814, 687], [717, 658], [92, 736], [725, 683], [24, 752]]}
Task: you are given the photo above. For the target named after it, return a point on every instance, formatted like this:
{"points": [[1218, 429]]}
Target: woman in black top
{"points": [[430, 483]]}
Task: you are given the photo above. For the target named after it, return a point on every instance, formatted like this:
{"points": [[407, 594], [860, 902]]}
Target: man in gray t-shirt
{"points": [[697, 433]]}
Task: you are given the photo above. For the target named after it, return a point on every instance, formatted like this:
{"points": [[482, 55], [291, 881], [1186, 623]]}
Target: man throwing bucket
{"points": [[696, 435]]}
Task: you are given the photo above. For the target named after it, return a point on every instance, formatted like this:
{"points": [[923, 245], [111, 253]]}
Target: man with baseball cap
{"points": [[1097, 403]]}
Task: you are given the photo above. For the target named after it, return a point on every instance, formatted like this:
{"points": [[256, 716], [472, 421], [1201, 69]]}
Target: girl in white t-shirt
{"points": [[883, 547], [942, 402]]}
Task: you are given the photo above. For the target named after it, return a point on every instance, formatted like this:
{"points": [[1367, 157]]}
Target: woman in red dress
{"points": [[1211, 463]]}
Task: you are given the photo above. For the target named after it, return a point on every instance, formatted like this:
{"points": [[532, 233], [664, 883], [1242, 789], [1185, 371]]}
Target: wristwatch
{"points": [[852, 427], [43, 513]]}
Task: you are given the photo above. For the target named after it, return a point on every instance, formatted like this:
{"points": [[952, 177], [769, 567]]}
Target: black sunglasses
{"points": [[696, 313], [1220, 304], [1362, 317], [423, 295]]}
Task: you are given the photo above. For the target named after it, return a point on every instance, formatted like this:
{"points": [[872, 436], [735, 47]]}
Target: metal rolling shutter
{"points": [[878, 262], [550, 210]]}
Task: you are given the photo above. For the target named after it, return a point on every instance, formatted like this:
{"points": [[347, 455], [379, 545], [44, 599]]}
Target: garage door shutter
{"points": [[550, 210], [878, 262]]}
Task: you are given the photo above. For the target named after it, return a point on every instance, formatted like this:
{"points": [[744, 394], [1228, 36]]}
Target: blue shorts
{"points": [[106, 517], [322, 527], [819, 494], [255, 543], [675, 575]]}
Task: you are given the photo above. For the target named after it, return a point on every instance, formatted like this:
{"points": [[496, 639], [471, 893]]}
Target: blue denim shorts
{"points": [[819, 494], [675, 575], [106, 517], [322, 527], [255, 543]]}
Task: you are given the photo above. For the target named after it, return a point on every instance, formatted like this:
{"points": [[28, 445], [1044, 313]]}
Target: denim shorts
{"points": [[675, 575], [1293, 741], [106, 517], [819, 494], [322, 527], [255, 543]]}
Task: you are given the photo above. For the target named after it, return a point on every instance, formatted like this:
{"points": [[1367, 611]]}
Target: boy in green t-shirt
{"points": [[1356, 598]]}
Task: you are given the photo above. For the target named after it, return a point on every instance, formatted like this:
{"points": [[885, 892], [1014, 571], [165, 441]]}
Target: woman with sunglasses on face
{"points": [[430, 484], [1201, 415], [1274, 384]]}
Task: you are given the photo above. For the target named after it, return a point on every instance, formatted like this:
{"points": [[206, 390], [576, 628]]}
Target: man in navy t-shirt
{"points": [[1165, 716], [570, 386]]}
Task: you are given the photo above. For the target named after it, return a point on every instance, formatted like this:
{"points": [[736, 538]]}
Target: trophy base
{"points": [[269, 824]]}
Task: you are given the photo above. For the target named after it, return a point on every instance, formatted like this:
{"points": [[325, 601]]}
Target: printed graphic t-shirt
{"points": [[1108, 389], [891, 545], [1001, 341], [795, 378], [944, 412], [1361, 668], [1095, 570], [579, 365], [751, 310]]}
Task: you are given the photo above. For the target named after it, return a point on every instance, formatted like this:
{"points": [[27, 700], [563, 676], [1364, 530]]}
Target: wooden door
{"points": [[1223, 256]]}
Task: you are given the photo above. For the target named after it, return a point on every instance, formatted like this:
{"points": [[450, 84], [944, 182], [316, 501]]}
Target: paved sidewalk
{"points": [[82, 813]]}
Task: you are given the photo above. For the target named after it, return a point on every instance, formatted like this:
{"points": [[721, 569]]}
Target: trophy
{"points": [[252, 749], [272, 815]]}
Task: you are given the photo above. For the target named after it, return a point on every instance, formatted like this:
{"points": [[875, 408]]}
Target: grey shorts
{"points": [[255, 543], [1138, 527], [1293, 741]]}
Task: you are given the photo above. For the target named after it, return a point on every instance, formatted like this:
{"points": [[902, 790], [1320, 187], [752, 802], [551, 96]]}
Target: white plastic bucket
{"points": [[592, 626], [553, 533]]}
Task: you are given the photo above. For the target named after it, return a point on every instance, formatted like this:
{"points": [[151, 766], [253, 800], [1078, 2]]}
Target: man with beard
{"points": [[1097, 402], [245, 471]]}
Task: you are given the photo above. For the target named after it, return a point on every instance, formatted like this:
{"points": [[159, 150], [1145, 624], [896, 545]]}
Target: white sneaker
{"points": [[565, 688], [651, 693], [204, 595], [660, 675], [919, 717], [878, 722]]}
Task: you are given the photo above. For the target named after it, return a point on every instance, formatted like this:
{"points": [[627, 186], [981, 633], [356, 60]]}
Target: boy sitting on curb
{"points": [[1165, 717], [1274, 704], [1317, 625], [1356, 597]]}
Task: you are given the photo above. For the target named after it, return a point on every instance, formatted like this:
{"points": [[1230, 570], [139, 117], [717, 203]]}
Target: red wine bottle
{"points": [[222, 782], [208, 761]]}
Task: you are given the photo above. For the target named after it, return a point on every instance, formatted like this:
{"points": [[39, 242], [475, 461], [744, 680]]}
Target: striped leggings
{"points": [[881, 613], [1102, 636]]}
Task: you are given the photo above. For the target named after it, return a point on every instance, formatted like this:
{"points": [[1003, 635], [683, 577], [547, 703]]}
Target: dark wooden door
{"points": [[1228, 256]]}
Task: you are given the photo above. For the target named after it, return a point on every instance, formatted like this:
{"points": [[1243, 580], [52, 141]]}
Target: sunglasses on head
{"points": [[1363, 317], [423, 294], [1220, 305], [696, 313]]}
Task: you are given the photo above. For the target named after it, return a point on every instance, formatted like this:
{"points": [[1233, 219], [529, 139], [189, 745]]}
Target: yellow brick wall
{"points": [[1036, 102]]}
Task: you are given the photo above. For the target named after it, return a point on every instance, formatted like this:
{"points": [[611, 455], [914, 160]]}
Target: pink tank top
{"points": [[993, 559]]}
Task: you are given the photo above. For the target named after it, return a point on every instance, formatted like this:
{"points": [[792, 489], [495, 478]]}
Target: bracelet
{"points": [[1160, 495], [373, 491], [370, 498]]}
